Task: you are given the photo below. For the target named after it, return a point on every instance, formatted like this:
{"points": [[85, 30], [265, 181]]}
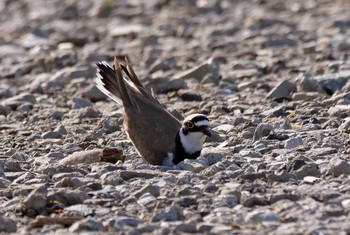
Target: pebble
{"points": [[282, 90], [18, 100], [86, 225], [196, 165], [122, 223], [67, 197], [260, 216], [35, 202], [7, 225], [226, 128], [345, 126], [91, 156], [262, 130], [147, 200], [79, 103], [200, 71], [339, 166], [172, 213], [293, 143]]}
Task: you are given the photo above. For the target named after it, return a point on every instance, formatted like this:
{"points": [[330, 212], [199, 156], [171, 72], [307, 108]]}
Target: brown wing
{"points": [[157, 125]]}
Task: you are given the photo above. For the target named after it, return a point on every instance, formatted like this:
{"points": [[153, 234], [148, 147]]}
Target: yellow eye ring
{"points": [[190, 125]]}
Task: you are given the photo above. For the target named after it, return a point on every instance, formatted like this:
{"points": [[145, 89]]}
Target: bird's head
{"points": [[196, 124]]}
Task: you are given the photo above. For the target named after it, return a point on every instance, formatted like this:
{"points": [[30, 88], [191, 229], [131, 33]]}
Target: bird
{"points": [[158, 136]]}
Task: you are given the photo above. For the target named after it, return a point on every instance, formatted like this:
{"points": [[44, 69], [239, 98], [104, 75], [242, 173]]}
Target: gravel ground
{"points": [[273, 76]]}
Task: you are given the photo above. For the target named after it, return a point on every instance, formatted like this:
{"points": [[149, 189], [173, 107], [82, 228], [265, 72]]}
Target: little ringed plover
{"points": [[157, 135]]}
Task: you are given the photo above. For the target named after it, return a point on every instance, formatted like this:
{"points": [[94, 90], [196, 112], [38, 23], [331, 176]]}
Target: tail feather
{"points": [[106, 82], [112, 83], [123, 89]]}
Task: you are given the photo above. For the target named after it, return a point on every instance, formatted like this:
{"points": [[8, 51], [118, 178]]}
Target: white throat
{"points": [[192, 142]]}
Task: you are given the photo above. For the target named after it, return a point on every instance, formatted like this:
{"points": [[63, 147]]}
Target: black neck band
{"points": [[180, 153]]}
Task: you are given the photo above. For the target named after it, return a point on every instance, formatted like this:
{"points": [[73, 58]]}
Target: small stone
{"points": [[188, 95], [345, 126], [213, 157], [93, 93], [126, 30], [147, 200], [213, 169], [163, 64], [293, 143], [61, 130], [331, 83], [310, 169], [4, 110], [200, 71], [57, 115], [346, 204], [226, 128], [78, 103], [248, 153], [259, 216], [164, 85], [278, 111], [309, 84], [262, 130], [109, 125], [127, 175], [25, 108], [172, 213], [311, 179], [284, 124], [121, 223], [51, 135], [15, 101], [195, 165], [87, 112], [225, 201], [149, 188], [20, 156], [70, 148], [186, 227], [339, 166], [88, 224], [7, 225], [4, 183], [72, 182], [306, 96], [68, 197], [204, 227], [59, 176], [251, 200], [340, 111], [111, 178], [36, 201], [89, 156], [283, 90]]}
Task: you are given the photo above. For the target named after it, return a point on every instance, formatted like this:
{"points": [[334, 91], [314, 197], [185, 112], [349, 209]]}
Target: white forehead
{"points": [[191, 116], [202, 123]]}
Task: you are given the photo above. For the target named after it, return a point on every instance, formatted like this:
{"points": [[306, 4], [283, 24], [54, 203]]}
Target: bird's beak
{"points": [[206, 131]]}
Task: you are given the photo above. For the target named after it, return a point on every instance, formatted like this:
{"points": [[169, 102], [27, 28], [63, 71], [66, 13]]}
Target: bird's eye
{"points": [[190, 125]]}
